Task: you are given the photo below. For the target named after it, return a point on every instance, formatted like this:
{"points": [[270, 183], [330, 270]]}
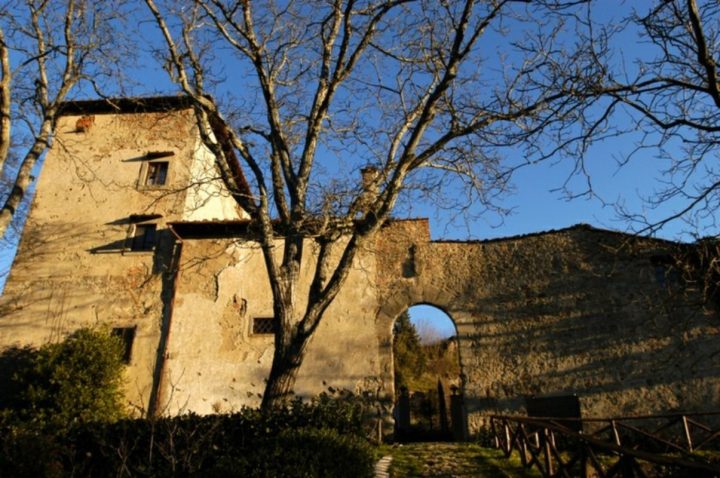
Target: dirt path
{"points": [[450, 460]]}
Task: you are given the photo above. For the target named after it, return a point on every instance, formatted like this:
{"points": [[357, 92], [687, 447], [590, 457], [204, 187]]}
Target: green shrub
{"points": [[301, 453], [62, 423], [76, 381], [314, 439], [342, 411], [324, 452], [28, 453]]}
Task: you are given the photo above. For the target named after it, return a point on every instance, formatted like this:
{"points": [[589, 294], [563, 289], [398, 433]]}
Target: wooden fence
{"points": [[646, 446]]}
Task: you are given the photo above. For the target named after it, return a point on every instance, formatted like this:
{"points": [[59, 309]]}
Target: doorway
{"points": [[429, 403]]}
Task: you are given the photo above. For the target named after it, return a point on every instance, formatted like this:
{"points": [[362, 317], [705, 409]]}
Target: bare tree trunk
{"points": [[289, 340], [24, 177], [5, 78], [292, 335], [283, 373]]}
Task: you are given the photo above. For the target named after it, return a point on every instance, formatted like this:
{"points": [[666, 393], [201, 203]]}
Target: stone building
{"points": [[131, 227], [96, 248]]}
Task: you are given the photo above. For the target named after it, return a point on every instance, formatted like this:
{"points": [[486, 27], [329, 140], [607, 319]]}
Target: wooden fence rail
{"points": [[628, 447]]}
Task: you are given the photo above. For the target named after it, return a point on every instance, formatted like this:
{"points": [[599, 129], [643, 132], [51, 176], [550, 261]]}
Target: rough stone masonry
{"points": [[131, 228]]}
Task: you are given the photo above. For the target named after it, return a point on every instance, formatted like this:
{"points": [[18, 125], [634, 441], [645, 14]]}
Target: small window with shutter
{"points": [[144, 237], [263, 326]]}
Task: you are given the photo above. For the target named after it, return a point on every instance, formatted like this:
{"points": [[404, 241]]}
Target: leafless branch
{"points": [[675, 102], [5, 100]]}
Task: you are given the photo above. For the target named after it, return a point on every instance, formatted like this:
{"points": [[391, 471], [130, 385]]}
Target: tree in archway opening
{"points": [[418, 365], [408, 353]]}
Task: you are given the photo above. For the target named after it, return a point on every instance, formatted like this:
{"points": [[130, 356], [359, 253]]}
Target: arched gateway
{"points": [[429, 382], [578, 311], [602, 315]]}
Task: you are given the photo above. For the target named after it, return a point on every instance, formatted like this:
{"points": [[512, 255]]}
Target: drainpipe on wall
{"points": [[155, 407]]}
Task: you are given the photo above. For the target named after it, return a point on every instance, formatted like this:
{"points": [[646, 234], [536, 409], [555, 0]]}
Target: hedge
{"points": [[321, 439]]}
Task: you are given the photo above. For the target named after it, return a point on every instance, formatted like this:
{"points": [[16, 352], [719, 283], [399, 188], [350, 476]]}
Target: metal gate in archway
{"points": [[431, 415]]}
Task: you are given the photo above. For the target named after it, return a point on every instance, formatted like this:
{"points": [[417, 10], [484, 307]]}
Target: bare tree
{"points": [[428, 331], [670, 92], [410, 92], [47, 48]]}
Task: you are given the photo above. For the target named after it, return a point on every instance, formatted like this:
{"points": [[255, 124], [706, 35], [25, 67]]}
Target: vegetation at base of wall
{"points": [[64, 384], [301, 453], [320, 438]]}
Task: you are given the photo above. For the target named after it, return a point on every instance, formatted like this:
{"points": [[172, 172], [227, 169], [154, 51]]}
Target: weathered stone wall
{"points": [[216, 363], [576, 311], [73, 268]]}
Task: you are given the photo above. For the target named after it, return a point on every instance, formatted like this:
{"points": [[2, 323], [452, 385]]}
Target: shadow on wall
{"points": [[54, 292], [579, 312], [592, 343]]}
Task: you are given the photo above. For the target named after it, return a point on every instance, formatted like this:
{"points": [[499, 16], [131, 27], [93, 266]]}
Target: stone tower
{"points": [[96, 249]]}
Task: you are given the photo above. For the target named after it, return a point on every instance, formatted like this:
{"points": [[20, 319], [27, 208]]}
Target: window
{"points": [[263, 325], [144, 237], [155, 169], [127, 336], [142, 234], [156, 173]]}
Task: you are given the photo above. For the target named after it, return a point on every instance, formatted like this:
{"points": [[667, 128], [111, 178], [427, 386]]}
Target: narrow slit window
{"points": [[127, 337], [156, 173], [144, 238], [263, 326]]}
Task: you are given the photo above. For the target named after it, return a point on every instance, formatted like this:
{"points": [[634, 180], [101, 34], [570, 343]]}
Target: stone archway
{"points": [[415, 290], [428, 381], [401, 301]]}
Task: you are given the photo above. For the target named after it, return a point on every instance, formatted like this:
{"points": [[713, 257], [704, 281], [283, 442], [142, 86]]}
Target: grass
{"points": [[449, 460], [455, 460]]}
